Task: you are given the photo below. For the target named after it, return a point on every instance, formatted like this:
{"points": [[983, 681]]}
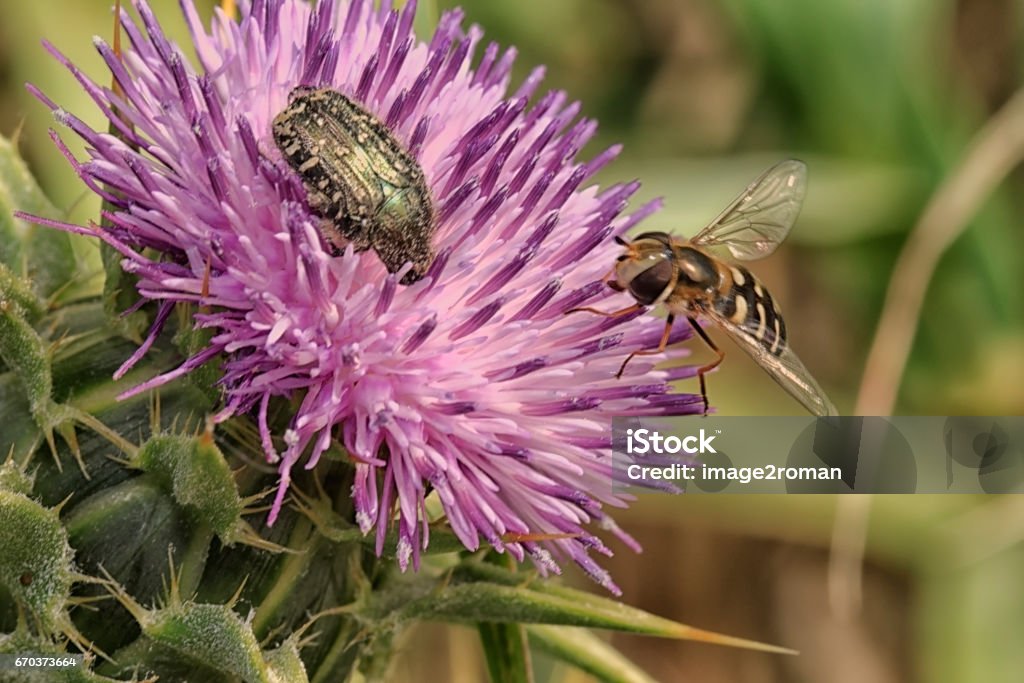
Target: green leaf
{"points": [[482, 592], [198, 641], [25, 352], [285, 663], [119, 295], [586, 651], [12, 230], [508, 657], [19, 290], [337, 529], [196, 473], [14, 477], [35, 566], [45, 253]]}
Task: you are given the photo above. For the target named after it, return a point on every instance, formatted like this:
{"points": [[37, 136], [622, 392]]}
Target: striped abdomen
{"points": [[750, 306]]}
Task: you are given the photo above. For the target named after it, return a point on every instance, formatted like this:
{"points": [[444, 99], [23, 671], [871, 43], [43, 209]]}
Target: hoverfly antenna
{"points": [[619, 240]]}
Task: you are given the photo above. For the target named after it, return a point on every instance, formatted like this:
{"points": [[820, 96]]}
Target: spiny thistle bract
{"points": [[462, 409]]}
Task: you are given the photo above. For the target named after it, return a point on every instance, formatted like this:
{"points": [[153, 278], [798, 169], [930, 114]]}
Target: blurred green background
{"points": [[881, 98]]}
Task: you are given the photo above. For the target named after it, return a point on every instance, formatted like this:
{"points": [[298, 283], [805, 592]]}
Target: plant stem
{"points": [[996, 149]]}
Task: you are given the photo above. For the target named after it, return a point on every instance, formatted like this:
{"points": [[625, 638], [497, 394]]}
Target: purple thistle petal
{"points": [[538, 301], [162, 315], [186, 367]]}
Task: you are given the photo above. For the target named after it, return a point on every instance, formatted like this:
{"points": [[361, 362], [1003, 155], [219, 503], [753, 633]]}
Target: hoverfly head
{"points": [[647, 268]]}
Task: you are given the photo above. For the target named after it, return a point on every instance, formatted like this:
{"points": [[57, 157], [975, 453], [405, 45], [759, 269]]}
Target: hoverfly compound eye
{"points": [[649, 285]]}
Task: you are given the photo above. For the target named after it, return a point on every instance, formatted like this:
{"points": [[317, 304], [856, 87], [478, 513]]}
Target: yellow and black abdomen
{"points": [[748, 305]]}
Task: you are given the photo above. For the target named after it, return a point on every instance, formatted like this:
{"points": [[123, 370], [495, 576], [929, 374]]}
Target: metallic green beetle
{"points": [[368, 190]]}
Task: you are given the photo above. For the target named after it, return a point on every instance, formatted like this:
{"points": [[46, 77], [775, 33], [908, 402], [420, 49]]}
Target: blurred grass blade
{"points": [[427, 15], [506, 652], [587, 652]]}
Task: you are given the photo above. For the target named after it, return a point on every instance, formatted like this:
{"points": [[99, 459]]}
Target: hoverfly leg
{"points": [[650, 352], [710, 366]]}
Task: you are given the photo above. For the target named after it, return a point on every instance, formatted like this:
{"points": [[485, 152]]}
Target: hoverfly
{"points": [[658, 268]]}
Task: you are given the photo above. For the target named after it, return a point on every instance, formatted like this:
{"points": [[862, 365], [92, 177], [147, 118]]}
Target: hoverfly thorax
{"points": [[696, 269], [647, 269]]}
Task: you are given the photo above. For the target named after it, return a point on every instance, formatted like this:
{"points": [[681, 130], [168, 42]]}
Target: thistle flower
{"points": [[472, 382]]}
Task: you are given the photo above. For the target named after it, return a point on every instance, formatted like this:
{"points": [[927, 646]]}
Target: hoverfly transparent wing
{"points": [[757, 221], [783, 366]]}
